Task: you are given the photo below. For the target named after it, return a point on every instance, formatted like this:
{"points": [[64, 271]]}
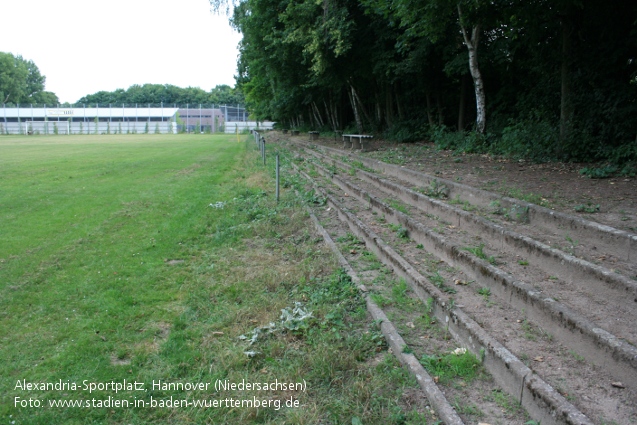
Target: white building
{"points": [[95, 120], [241, 126]]}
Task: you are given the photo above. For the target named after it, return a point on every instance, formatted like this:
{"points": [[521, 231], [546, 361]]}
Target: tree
{"points": [[13, 77], [553, 79], [167, 94], [21, 82]]}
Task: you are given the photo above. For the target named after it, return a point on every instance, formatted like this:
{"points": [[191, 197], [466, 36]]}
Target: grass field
{"points": [[140, 259]]}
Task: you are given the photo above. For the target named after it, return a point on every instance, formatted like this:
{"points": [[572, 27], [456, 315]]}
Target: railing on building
{"points": [[119, 118]]}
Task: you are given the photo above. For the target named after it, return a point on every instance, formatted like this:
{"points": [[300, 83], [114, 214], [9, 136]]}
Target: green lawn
{"points": [[144, 257]]}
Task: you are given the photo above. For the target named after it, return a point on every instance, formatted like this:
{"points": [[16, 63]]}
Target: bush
{"points": [[461, 141], [406, 131], [531, 139]]}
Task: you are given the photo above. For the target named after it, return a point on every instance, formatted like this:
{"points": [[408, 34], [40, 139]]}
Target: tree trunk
{"points": [[441, 117], [379, 112], [399, 107], [332, 112], [389, 107], [566, 105], [430, 116], [317, 116], [362, 107], [330, 117], [357, 117], [311, 117], [472, 46], [462, 102]]}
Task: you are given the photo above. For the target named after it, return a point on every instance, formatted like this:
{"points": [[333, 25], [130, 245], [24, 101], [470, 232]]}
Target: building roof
{"points": [[87, 112]]}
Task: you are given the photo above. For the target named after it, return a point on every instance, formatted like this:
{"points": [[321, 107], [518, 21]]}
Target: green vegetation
{"points": [[588, 208], [156, 94], [550, 83], [485, 293], [452, 366], [146, 258], [398, 206], [439, 282], [21, 82], [478, 251], [401, 232], [505, 401], [436, 190]]}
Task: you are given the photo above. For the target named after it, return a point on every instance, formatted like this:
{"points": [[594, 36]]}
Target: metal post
{"points": [[277, 178], [263, 143]]}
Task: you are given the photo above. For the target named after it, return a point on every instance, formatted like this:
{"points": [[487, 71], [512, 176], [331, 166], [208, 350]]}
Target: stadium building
{"points": [[83, 120], [112, 119]]}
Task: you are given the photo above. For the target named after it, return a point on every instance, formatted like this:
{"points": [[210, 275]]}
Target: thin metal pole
{"points": [[263, 149], [277, 178]]}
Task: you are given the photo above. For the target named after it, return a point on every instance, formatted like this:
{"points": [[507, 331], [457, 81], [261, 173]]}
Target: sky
{"points": [[83, 47]]}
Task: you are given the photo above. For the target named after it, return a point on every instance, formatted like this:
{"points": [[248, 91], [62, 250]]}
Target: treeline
{"points": [[21, 82], [167, 94], [543, 79]]}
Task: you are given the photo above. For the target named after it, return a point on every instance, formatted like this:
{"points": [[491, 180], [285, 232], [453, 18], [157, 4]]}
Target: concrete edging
{"points": [[596, 345], [436, 398], [538, 398], [617, 242]]}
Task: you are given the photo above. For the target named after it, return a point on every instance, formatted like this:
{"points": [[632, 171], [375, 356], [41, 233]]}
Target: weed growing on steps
{"points": [[478, 251], [485, 293], [398, 206], [504, 401], [401, 232], [449, 367], [439, 281], [588, 208]]}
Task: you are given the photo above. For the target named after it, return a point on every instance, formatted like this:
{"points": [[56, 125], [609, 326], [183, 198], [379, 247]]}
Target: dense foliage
{"points": [[21, 82], [530, 78], [167, 94]]}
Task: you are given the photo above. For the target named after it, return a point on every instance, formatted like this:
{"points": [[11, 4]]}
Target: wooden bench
{"points": [[314, 135], [285, 131], [295, 132], [355, 141]]}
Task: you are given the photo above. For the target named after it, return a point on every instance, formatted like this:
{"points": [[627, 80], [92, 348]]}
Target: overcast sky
{"points": [[82, 46]]}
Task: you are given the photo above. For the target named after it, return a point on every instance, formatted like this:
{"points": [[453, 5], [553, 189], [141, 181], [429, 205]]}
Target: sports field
{"points": [[131, 265]]}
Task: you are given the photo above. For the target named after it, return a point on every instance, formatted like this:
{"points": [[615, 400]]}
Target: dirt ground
{"points": [[558, 186], [555, 185]]}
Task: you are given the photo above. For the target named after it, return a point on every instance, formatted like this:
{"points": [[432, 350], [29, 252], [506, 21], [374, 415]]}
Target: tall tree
{"points": [[22, 82]]}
